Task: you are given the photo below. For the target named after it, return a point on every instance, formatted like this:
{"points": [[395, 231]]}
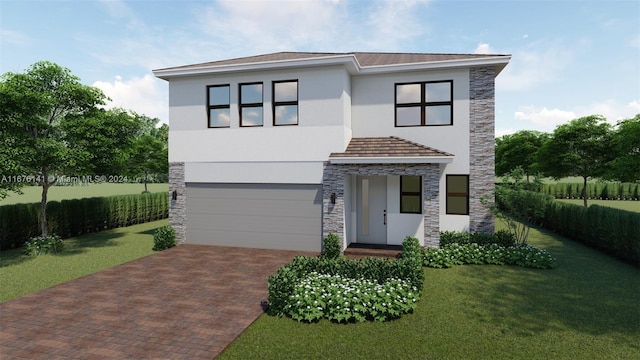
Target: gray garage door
{"points": [[268, 216]]}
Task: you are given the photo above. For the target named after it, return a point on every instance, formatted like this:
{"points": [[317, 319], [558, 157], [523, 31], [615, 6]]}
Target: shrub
{"points": [[465, 254], [364, 276], [502, 237], [164, 238], [331, 246], [453, 237], [344, 299], [43, 245], [519, 209]]}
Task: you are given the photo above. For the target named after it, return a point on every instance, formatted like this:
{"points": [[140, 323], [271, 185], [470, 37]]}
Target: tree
{"points": [[626, 143], [36, 104], [578, 148], [148, 156], [519, 150], [106, 136]]}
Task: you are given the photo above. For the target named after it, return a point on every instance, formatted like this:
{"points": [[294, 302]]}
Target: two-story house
{"points": [[278, 150]]}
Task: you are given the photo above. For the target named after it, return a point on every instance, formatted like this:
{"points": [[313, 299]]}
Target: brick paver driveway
{"points": [[188, 302]]}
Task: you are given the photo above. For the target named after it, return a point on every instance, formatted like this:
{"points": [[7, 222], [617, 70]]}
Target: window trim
{"points": [[423, 104], [213, 107], [275, 104], [458, 195], [410, 193], [242, 105]]}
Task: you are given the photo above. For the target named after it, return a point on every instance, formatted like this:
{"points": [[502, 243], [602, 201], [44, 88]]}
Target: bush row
{"points": [[502, 238], [467, 254], [604, 191], [614, 231], [66, 218], [374, 279]]}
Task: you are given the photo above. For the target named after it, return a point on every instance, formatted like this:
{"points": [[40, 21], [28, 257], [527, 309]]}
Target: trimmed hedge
{"points": [[611, 230], [604, 191], [68, 218]]}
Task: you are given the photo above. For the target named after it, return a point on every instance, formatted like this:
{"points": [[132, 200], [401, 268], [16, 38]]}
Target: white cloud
{"points": [[143, 95], [14, 37], [483, 48], [502, 131], [544, 119], [535, 65], [260, 26]]}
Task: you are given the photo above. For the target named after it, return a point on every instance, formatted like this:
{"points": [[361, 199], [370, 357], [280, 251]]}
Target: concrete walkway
{"points": [[188, 302]]}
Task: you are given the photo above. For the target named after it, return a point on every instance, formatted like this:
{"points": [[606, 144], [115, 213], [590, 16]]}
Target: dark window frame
{"points": [[410, 193], [213, 107], [275, 104], [458, 195], [423, 104], [242, 105]]}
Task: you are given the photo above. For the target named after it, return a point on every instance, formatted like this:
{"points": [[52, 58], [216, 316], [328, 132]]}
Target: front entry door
{"points": [[372, 209]]}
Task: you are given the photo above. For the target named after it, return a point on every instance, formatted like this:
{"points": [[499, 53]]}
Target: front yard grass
{"points": [[587, 307], [83, 255]]}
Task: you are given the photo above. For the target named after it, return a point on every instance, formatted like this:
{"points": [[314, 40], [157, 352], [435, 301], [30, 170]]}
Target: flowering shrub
{"points": [[43, 245], [344, 299], [456, 254], [373, 282]]}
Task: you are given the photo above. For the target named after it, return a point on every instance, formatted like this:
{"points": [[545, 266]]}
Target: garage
{"points": [[268, 216]]}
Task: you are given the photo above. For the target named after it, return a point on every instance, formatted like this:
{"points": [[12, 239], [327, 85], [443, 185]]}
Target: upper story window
{"points": [[424, 103], [218, 105], [251, 113], [285, 102]]}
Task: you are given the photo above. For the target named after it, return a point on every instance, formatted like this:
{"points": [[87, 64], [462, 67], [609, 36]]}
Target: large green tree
{"points": [[578, 148], [148, 157], [35, 104], [626, 144], [106, 136], [519, 150]]}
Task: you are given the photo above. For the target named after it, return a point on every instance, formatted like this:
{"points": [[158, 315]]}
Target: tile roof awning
{"points": [[388, 150]]}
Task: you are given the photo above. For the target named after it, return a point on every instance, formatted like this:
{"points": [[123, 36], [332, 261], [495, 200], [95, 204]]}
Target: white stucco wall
{"points": [[323, 104], [373, 108]]}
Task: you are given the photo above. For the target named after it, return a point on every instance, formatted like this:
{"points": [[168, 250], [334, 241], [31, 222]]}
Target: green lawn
{"points": [[588, 307], [32, 194], [83, 255], [618, 204]]}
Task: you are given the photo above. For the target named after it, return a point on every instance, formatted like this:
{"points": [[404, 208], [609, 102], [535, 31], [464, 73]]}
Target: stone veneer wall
{"points": [[178, 207], [334, 181], [482, 143]]}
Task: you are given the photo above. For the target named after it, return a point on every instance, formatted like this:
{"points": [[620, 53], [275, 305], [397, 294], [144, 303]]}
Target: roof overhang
{"points": [[392, 160], [349, 61]]}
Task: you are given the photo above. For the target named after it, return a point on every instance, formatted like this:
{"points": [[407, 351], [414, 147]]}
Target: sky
{"points": [[569, 58]]}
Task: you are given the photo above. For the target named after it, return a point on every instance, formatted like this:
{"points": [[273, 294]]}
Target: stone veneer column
{"points": [[333, 216], [482, 143], [178, 207], [431, 198]]}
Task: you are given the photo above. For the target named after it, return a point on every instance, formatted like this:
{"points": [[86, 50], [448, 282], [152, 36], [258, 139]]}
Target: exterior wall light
{"points": [[333, 198], [174, 195]]}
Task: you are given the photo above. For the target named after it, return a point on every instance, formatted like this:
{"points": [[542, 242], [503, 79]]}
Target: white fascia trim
{"points": [[393, 160], [499, 62], [349, 61]]}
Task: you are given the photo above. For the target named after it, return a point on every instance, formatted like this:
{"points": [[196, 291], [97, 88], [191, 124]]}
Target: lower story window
{"points": [[410, 194], [458, 194]]}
